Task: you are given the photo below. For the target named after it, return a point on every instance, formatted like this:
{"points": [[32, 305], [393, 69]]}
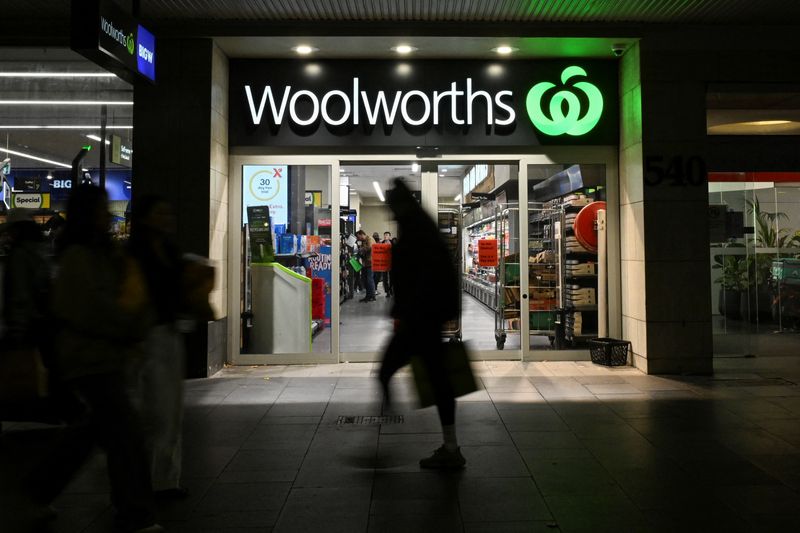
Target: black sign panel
{"points": [[423, 103], [104, 33]]}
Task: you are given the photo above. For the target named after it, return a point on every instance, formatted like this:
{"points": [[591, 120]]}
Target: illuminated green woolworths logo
{"points": [[574, 121]]}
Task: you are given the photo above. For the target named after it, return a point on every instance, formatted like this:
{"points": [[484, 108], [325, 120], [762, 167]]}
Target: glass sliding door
{"points": [[286, 274], [567, 280], [479, 216], [367, 233]]}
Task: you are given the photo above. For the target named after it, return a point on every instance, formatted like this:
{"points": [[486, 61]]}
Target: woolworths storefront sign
{"points": [[453, 103]]}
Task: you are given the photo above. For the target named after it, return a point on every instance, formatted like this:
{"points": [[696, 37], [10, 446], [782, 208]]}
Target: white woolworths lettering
{"points": [[380, 106]]}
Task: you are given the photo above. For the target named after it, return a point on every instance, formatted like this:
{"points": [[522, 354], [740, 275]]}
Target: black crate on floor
{"points": [[609, 352]]}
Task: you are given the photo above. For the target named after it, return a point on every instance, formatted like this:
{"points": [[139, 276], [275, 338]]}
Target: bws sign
{"points": [[458, 103]]}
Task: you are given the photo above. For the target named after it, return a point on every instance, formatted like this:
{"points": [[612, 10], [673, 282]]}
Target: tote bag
{"points": [[457, 368]]}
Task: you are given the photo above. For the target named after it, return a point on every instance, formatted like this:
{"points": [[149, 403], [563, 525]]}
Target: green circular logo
{"points": [[572, 122], [131, 44]]}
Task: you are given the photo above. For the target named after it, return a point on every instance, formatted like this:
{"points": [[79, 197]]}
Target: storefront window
{"points": [[286, 226], [566, 255], [754, 221], [54, 103]]}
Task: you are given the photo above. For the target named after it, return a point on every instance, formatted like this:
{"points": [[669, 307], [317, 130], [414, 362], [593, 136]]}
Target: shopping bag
{"points": [[356, 264], [457, 369]]}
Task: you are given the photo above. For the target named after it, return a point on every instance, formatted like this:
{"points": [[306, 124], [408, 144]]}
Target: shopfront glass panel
{"points": [[754, 221], [286, 252], [365, 284], [566, 266], [485, 198], [39, 140]]}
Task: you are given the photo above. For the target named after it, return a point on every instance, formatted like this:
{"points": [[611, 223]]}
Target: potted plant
{"points": [[733, 280], [758, 304]]}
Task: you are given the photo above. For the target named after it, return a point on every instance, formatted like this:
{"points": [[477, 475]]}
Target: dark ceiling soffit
{"points": [[397, 29]]}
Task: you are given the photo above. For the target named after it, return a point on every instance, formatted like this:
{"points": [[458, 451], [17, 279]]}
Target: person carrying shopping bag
{"points": [[426, 295]]}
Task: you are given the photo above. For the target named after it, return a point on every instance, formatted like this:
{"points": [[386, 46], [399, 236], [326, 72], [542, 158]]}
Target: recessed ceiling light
{"points": [[404, 49], [304, 49], [414, 167], [504, 50]]}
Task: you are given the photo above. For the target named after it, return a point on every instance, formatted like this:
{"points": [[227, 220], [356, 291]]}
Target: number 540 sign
{"points": [[677, 171]]}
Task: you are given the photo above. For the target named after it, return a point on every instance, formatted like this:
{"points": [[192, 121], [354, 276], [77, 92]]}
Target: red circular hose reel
{"points": [[585, 225]]}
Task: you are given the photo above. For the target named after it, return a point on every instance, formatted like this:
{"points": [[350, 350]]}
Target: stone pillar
{"points": [[632, 226], [666, 283], [180, 153]]}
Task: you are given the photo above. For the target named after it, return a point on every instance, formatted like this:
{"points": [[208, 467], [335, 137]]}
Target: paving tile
{"points": [[544, 419], [603, 511], [325, 509], [761, 499], [570, 476], [546, 439], [223, 498], [501, 499], [414, 515], [511, 527], [493, 461], [613, 388]]}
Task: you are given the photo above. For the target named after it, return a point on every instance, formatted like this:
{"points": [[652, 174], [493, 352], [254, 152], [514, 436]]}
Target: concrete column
{"points": [[180, 131]]}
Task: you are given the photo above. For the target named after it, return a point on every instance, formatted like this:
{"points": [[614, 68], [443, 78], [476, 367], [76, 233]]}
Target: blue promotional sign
{"points": [[321, 266]]}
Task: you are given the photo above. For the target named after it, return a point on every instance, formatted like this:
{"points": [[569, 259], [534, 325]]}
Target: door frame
{"points": [[607, 155]]}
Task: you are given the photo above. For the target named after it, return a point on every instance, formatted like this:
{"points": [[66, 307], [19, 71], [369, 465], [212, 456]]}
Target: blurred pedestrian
{"points": [[26, 286], [159, 384], [100, 302], [426, 295]]}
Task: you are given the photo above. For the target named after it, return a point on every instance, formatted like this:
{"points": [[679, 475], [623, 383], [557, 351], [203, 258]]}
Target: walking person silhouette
{"points": [[426, 295]]}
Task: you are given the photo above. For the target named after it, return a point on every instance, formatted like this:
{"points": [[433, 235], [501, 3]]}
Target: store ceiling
{"points": [[560, 11], [33, 129], [362, 176]]}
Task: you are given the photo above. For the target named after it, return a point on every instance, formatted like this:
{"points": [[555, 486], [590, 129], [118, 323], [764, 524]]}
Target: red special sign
{"points": [[324, 223], [381, 257], [487, 252]]}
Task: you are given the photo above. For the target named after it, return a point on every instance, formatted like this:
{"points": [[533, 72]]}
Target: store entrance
{"points": [[531, 290]]}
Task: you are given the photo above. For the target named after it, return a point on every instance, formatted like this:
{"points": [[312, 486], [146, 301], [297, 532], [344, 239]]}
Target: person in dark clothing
{"points": [[26, 286], [425, 297], [365, 254], [100, 303], [159, 387]]}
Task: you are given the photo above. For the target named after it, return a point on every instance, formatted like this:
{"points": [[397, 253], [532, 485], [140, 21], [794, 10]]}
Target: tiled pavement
{"points": [[550, 447]]}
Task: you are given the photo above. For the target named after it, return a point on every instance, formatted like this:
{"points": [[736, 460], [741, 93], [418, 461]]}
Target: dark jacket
{"points": [[424, 279], [98, 333], [26, 294]]}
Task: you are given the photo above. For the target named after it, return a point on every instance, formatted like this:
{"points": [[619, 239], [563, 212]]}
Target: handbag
{"points": [[23, 381], [457, 368]]}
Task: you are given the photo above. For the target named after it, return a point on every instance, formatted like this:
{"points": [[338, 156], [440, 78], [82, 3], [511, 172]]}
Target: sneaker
{"points": [[442, 459]]}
